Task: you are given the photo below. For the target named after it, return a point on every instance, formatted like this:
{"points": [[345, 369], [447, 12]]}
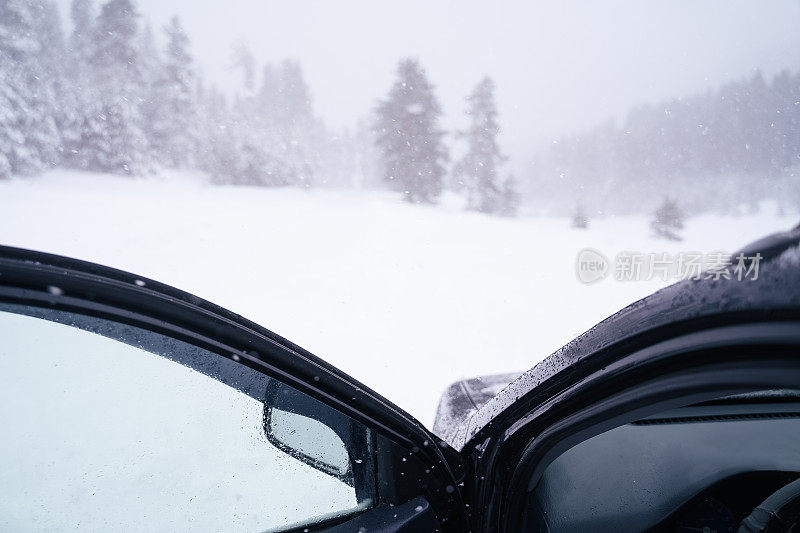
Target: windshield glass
{"points": [[416, 192]]}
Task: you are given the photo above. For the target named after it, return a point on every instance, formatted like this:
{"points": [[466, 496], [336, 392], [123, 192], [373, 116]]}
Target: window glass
{"points": [[702, 467], [132, 430]]}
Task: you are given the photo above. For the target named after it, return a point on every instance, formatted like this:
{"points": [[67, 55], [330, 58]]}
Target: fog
{"points": [[545, 108], [559, 66]]}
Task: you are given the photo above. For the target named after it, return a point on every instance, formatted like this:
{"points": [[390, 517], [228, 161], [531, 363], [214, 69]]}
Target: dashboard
{"points": [[698, 468]]}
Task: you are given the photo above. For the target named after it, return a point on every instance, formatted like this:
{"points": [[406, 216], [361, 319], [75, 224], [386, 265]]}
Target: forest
{"points": [[724, 150], [99, 95]]}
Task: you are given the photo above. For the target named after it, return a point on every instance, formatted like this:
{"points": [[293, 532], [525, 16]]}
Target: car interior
{"points": [[702, 467]]}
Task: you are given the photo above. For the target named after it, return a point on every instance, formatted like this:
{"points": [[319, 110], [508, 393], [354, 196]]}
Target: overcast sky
{"points": [[559, 65]]}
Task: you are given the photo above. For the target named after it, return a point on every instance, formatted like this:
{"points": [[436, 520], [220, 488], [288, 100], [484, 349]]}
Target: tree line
{"points": [[723, 150], [415, 156], [104, 98]]}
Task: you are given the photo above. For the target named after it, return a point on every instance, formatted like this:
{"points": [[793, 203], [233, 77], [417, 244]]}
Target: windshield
{"points": [[416, 192]]}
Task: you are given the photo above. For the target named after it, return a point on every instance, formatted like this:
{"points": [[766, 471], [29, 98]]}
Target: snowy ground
{"points": [[405, 298]]}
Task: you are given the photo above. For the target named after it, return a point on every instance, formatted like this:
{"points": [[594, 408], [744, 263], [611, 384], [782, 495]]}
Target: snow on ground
{"points": [[405, 298]]}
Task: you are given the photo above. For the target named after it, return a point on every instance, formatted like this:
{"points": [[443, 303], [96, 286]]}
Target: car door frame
{"points": [[618, 385], [411, 463]]}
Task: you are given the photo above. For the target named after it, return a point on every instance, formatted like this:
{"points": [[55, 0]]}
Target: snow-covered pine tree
{"points": [[247, 146], [300, 130], [28, 136], [52, 84], [251, 143], [269, 96], [273, 137], [668, 220], [509, 197], [172, 130], [580, 220], [10, 136], [112, 136], [50, 35], [16, 43], [478, 170], [150, 72], [78, 95], [242, 58], [409, 136], [80, 41], [217, 154]]}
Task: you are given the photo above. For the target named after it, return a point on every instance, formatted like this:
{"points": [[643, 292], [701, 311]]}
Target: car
{"points": [[129, 405]]}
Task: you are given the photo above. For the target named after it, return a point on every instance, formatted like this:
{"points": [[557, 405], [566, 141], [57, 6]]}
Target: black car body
{"points": [[628, 427]]}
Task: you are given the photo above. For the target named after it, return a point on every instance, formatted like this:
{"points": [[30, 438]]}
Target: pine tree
{"points": [[668, 220], [173, 119], [242, 58], [409, 136], [217, 149], [270, 96], [478, 170], [150, 73], [508, 204], [10, 136], [80, 42], [112, 135], [580, 219], [17, 46], [52, 83], [78, 95], [28, 136], [299, 128]]}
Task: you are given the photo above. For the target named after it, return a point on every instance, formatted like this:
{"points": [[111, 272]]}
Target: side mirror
{"points": [[318, 435], [308, 440]]}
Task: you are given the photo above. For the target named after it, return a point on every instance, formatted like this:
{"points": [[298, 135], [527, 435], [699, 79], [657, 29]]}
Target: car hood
{"points": [[464, 398], [468, 406]]}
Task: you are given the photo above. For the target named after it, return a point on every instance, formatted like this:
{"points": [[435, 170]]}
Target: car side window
{"points": [[112, 427]]}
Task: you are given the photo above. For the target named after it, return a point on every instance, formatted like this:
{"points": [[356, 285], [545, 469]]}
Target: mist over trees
{"points": [[724, 150], [28, 131], [172, 111], [477, 172], [409, 136], [107, 98], [268, 136], [668, 221]]}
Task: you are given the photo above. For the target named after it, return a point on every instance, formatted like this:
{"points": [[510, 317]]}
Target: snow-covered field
{"points": [[405, 298]]}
